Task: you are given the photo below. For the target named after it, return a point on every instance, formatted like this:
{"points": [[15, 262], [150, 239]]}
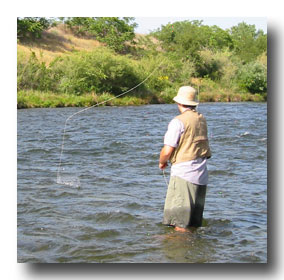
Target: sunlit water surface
{"points": [[111, 207]]}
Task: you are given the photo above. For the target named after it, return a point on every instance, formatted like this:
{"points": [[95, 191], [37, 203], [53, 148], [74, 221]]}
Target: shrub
{"points": [[113, 31], [209, 65], [167, 95], [160, 78], [76, 74], [216, 65], [253, 77], [100, 70], [31, 27], [33, 74], [171, 73]]}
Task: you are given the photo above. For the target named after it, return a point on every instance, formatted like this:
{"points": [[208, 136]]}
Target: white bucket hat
{"points": [[186, 96]]}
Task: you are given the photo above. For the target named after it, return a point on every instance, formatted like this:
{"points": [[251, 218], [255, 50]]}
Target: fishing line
{"points": [[71, 183], [165, 178], [197, 96]]}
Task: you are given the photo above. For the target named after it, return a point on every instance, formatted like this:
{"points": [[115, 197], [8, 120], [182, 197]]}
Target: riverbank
{"points": [[37, 99], [62, 69]]}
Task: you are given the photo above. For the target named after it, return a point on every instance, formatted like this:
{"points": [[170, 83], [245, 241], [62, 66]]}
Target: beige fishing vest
{"points": [[193, 142]]}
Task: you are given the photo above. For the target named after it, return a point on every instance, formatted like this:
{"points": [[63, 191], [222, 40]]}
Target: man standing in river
{"points": [[186, 146]]}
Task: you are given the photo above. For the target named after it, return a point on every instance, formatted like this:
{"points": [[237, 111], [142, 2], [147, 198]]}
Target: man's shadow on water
{"points": [[269, 269]]}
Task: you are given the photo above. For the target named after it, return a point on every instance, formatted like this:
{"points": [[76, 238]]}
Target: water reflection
{"points": [[191, 246]]}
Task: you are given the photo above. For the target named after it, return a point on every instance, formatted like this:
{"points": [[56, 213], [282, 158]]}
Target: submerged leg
{"points": [[184, 204]]}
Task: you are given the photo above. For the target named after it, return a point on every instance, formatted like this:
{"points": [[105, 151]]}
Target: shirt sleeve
{"points": [[172, 136]]}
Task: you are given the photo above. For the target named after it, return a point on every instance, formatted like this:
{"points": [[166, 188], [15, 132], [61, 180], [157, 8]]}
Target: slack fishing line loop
{"points": [[59, 181]]}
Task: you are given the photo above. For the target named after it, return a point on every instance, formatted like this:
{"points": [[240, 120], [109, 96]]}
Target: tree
{"points": [[31, 27], [188, 38], [181, 37], [248, 43], [219, 39], [113, 31]]}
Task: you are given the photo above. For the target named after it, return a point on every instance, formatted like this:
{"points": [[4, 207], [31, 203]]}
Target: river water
{"points": [[110, 208]]}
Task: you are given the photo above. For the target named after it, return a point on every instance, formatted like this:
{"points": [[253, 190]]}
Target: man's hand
{"points": [[165, 155], [163, 165]]}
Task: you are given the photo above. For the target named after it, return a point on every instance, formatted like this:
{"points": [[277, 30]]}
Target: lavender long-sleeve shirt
{"points": [[194, 171]]}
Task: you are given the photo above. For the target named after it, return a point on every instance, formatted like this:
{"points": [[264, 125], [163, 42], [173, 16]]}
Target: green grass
{"points": [[231, 97], [38, 99]]}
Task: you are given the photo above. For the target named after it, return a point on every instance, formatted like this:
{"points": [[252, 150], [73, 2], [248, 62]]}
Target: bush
{"points": [[76, 74], [100, 70], [31, 27], [160, 78], [253, 77], [167, 95], [209, 65], [113, 31], [171, 73], [216, 65], [32, 74]]}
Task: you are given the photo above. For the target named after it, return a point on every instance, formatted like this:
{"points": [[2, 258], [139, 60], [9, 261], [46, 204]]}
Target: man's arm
{"points": [[165, 155]]}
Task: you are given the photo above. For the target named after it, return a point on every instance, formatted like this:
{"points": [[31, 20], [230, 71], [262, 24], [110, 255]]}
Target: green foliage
{"points": [[222, 63], [181, 37], [217, 66], [100, 70], [171, 72], [32, 74], [40, 99], [113, 31], [209, 65], [145, 45], [75, 74], [31, 27], [167, 95], [219, 39], [188, 38], [253, 77], [248, 43]]}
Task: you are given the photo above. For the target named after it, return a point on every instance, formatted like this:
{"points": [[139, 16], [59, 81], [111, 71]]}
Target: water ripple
{"points": [[109, 207]]}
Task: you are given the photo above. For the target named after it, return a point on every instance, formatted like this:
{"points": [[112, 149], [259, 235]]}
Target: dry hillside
{"points": [[56, 41], [60, 40]]}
